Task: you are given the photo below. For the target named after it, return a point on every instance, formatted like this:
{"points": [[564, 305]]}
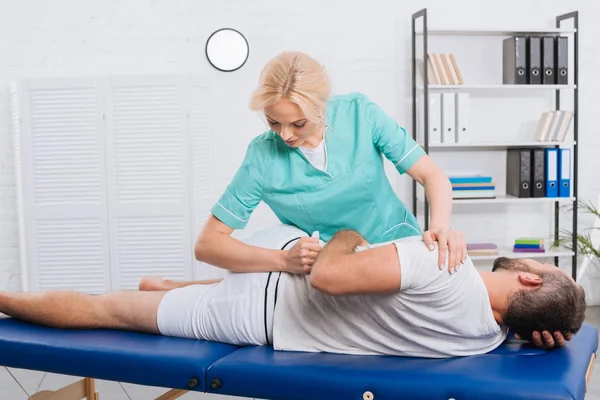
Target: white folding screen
{"points": [[108, 179], [148, 179], [60, 159]]}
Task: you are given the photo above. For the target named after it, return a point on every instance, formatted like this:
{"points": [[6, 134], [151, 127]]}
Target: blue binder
{"points": [[551, 172], [564, 173]]}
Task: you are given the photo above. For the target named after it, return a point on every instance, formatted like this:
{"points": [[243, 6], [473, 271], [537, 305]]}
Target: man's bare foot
{"points": [[155, 283]]}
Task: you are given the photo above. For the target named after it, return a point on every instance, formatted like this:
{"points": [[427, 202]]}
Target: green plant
{"points": [[585, 245]]}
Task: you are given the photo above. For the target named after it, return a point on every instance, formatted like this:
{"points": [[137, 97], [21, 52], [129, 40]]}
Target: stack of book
{"points": [[553, 126], [443, 69], [482, 249], [473, 187], [529, 245]]}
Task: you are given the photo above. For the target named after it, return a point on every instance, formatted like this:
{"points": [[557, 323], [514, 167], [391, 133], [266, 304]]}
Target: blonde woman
{"points": [[320, 168]]}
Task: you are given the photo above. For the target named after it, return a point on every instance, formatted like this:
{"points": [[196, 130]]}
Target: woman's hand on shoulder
{"points": [[301, 257], [451, 244]]}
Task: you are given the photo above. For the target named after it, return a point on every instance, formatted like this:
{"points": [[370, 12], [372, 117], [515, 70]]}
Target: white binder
{"points": [[448, 118], [462, 118], [435, 118]]}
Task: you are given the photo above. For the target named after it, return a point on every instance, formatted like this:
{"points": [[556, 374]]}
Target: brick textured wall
{"points": [[366, 47]]}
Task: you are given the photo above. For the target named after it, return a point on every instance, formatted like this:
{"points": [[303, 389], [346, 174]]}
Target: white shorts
{"points": [[238, 310]]}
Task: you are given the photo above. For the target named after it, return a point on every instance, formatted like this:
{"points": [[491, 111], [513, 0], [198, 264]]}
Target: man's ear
{"points": [[530, 280]]}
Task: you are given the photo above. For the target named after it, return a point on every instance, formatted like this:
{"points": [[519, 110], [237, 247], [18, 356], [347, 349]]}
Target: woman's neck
{"points": [[315, 139]]}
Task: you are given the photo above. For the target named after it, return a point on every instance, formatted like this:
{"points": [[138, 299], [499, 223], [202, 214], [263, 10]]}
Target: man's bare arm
{"points": [[339, 270]]}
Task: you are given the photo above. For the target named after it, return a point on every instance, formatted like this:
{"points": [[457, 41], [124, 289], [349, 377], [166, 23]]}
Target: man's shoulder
{"points": [[412, 245], [415, 248]]}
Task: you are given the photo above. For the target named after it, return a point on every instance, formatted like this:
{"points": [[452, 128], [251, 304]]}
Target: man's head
{"points": [[547, 298]]}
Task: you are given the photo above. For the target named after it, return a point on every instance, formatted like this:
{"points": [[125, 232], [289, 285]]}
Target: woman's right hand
{"points": [[301, 257]]}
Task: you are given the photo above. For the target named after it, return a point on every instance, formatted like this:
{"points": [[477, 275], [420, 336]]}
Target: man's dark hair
{"points": [[557, 305]]}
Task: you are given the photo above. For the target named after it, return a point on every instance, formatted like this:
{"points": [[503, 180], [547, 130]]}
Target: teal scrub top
{"points": [[352, 193]]}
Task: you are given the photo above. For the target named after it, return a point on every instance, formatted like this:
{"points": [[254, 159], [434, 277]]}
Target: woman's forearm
{"points": [[224, 251], [439, 194]]}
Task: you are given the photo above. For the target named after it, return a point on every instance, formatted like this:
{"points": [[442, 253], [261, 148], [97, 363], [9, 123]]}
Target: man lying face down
{"points": [[388, 298]]}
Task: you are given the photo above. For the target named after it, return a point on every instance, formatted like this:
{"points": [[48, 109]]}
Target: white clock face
{"points": [[227, 49]]}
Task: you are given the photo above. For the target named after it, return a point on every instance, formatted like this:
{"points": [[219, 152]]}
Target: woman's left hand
{"points": [[450, 243]]}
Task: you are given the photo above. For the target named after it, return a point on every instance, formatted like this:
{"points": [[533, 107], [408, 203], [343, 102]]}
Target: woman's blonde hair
{"points": [[296, 77]]}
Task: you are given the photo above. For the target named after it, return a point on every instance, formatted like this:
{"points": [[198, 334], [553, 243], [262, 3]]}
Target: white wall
{"points": [[365, 45]]}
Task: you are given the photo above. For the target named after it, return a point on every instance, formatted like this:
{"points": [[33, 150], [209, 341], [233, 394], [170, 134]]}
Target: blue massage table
{"points": [[515, 370]]}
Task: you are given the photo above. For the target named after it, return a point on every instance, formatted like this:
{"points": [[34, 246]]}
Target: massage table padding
{"points": [[513, 371], [118, 356]]}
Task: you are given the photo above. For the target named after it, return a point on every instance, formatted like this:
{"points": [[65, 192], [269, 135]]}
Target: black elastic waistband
{"points": [[276, 288]]}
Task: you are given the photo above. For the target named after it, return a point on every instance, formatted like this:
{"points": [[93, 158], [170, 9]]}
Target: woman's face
{"points": [[289, 122]]}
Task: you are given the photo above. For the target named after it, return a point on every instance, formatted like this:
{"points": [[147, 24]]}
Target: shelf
{"points": [[489, 89], [441, 31], [495, 145], [506, 199], [455, 88], [507, 252]]}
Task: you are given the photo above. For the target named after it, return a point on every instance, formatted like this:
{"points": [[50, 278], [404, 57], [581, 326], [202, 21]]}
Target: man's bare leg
{"points": [[154, 283], [126, 310]]}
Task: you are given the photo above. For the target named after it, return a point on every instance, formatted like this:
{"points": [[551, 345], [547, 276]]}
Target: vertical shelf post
{"points": [[420, 14], [574, 181]]}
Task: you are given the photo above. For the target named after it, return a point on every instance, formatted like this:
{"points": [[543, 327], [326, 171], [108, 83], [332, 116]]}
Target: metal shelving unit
{"points": [[424, 32]]}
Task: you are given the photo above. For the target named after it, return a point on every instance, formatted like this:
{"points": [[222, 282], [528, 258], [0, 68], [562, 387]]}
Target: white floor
{"points": [[34, 381]]}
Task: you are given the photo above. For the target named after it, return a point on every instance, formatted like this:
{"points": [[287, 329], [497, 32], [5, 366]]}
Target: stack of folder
{"points": [[449, 115], [535, 59], [472, 187], [482, 249], [529, 245], [538, 172]]}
